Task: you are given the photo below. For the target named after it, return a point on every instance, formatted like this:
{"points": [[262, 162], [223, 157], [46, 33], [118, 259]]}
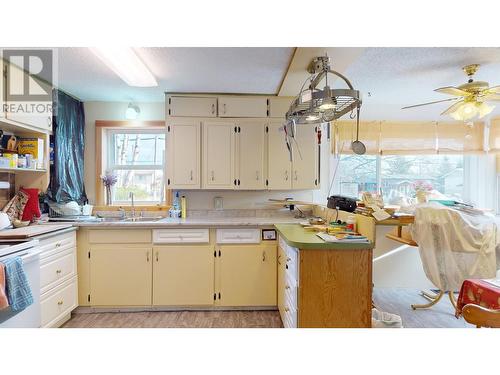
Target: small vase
{"points": [[108, 196]]}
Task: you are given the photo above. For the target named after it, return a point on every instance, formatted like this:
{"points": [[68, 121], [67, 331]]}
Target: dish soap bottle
{"points": [[175, 210], [183, 207]]}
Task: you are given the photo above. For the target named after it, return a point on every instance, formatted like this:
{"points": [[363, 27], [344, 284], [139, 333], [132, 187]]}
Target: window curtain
{"points": [[66, 172], [414, 137]]}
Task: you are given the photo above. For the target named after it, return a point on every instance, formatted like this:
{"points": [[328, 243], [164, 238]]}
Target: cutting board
{"points": [[30, 231]]}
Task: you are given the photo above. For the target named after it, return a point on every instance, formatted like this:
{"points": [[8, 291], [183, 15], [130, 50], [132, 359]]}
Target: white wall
{"points": [[196, 199]]}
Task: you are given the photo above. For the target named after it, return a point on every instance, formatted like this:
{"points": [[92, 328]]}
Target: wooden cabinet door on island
{"points": [[183, 275], [247, 275], [120, 275]]}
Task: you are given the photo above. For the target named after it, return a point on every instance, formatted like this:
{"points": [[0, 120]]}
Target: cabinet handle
{"points": [[60, 303], [58, 271], [279, 257], [286, 175], [288, 259], [287, 309], [191, 175], [287, 286], [295, 175], [224, 108], [213, 109], [257, 175], [157, 256], [263, 256], [147, 256], [213, 175], [58, 244]]}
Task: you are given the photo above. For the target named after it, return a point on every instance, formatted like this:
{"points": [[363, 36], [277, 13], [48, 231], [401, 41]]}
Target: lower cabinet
{"points": [[247, 275], [183, 275], [120, 275], [281, 261]]}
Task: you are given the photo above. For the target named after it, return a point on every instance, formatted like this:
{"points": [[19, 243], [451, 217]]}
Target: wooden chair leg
{"points": [[430, 304], [452, 299]]}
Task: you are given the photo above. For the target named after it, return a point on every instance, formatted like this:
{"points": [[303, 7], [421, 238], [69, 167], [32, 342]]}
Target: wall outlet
{"points": [[218, 203]]}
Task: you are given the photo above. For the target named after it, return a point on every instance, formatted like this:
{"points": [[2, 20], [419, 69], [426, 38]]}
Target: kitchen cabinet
{"points": [[242, 106], [299, 174], [183, 275], [14, 78], [182, 106], [218, 155], [183, 147], [279, 166], [279, 105], [2, 88], [250, 156], [120, 275], [305, 158], [247, 275]]}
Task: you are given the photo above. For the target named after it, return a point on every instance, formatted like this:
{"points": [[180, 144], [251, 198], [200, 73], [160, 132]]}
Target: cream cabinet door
{"points": [[183, 148], [15, 78], [179, 106], [279, 105], [3, 87], [247, 275], [305, 158], [279, 166], [242, 106], [183, 275], [250, 156], [218, 155], [120, 275]]}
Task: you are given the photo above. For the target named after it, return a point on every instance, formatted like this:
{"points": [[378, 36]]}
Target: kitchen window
{"points": [[398, 177], [137, 159]]}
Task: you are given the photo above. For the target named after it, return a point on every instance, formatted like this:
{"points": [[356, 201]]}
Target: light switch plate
{"points": [[218, 203]]}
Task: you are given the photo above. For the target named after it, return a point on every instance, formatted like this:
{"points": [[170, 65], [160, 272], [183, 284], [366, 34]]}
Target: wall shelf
{"points": [[22, 170]]}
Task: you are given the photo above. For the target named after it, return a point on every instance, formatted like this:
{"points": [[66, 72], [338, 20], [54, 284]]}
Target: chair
{"points": [[453, 246], [481, 316]]}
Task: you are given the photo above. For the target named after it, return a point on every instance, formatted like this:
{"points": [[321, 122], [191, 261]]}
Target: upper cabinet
{"points": [[305, 166], [13, 76], [242, 106], [250, 155], [218, 155], [183, 147], [279, 165], [182, 106], [279, 105]]}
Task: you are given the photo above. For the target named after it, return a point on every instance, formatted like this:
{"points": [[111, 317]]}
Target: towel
{"points": [[4, 302], [18, 287]]}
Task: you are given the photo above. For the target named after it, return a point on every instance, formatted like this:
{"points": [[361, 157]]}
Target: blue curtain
{"points": [[66, 172]]}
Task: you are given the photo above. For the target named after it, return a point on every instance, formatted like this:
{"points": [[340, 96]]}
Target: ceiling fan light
{"points": [[465, 112], [484, 109], [132, 112]]}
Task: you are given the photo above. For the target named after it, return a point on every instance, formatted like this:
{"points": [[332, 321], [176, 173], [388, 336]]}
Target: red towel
{"points": [[3, 296]]}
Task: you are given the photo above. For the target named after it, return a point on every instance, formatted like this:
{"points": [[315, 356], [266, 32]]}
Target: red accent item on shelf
{"points": [[32, 209]]}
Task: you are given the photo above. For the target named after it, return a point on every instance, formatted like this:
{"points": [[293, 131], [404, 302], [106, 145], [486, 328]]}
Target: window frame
{"points": [[112, 166]]}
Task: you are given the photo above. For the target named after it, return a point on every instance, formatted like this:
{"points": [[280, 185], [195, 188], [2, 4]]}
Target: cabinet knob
{"points": [[191, 175], [295, 177], [60, 303], [157, 256], [288, 259], [212, 173], [147, 256], [257, 175], [58, 271], [287, 309], [287, 286], [263, 256], [213, 109], [224, 106], [286, 175]]}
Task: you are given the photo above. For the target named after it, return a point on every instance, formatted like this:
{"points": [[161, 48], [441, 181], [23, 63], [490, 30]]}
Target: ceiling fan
{"points": [[471, 97]]}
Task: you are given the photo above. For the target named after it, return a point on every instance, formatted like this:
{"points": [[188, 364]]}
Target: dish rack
{"points": [[55, 214]]}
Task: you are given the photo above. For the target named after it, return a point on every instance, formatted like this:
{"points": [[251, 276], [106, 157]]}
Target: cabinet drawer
{"points": [[120, 236], [56, 244], [242, 106], [57, 268], [289, 317], [238, 235], [59, 303], [180, 236]]}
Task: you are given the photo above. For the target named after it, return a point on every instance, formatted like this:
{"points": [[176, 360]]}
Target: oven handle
{"points": [[30, 255]]}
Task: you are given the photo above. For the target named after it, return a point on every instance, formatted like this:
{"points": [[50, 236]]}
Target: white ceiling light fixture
{"points": [[132, 112], [125, 62]]}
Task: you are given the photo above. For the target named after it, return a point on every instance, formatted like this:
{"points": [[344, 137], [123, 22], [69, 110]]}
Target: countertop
{"points": [[194, 222], [296, 236]]}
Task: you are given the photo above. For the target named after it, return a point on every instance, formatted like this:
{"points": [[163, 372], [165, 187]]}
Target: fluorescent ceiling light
{"points": [[132, 112], [127, 65]]}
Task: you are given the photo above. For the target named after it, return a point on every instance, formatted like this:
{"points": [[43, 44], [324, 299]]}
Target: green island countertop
{"points": [[295, 235]]}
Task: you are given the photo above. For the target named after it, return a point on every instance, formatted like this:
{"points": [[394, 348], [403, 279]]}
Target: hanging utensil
{"points": [[357, 146]]}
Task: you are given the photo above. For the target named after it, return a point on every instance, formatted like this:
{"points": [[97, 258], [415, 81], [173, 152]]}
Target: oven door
{"points": [[29, 317]]}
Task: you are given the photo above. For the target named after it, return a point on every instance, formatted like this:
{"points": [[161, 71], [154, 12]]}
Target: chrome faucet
{"points": [[132, 211]]}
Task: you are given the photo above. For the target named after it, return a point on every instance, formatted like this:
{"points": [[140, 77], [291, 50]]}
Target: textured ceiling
{"points": [[398, 77], [221, 70]]}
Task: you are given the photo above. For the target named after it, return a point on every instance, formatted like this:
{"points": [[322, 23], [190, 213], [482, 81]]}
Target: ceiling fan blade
{"points": [[494, 89], [491, 98], [437, 101], [452, 108], [450, 90]]}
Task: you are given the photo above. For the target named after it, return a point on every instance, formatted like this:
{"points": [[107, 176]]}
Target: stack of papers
{"points": [[348, 239]]}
